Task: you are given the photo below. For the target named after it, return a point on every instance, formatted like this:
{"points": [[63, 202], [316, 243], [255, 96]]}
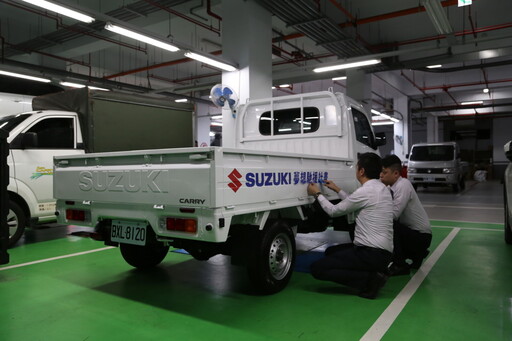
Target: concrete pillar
{"points": [[359, 87], [432, 129], [246, 40], [401, 129]]}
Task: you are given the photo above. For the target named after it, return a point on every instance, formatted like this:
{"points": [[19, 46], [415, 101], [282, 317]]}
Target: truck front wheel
{"points": [[16, 221], [143, 257], [271, 262]]}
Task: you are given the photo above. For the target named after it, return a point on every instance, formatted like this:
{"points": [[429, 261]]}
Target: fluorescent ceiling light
{"points": [[137, 36], [210, 61], [273, 88], [472, 102], [181, 100], [339, 78], [434, 66], [438, 16], [96, 88], [72, 85], [378, 113], [19, 75], [284, 85], [486, 91], [61, 10], [285, 129], [218, 124], [347, 65], [216, 117], [382, 123]]}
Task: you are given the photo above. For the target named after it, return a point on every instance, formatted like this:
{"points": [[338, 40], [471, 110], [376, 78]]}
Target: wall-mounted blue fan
{"points": [[222, 95]]}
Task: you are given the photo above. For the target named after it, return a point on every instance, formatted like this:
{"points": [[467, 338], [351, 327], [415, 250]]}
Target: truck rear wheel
{"points": [[16, 221], [143, 257], [271, 262]]}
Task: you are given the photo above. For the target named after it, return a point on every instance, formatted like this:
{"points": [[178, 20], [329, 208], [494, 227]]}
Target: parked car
{"points": [[507, 194]]}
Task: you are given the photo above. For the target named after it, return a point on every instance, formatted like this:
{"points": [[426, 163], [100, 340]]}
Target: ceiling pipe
{"points": [[460, 107], [416, 86], [210, 12], [156, 66], [457, 34], [443, 87], [72, 28], [183, 16]]}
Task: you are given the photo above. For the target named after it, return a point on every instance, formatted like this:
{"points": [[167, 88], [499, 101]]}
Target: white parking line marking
{"points": [[469, 207], [468, 228], [386, 319], [56, 258]]}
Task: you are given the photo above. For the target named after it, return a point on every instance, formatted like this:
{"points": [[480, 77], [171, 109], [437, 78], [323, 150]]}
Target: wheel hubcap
{"points": [[280, 256], [12, 222]]}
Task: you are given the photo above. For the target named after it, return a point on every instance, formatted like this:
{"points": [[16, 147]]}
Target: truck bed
{"points": [[216, 182]]}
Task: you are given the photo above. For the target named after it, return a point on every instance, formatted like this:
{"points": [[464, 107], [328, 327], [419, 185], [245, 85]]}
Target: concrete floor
{"points": [[64, 287]]}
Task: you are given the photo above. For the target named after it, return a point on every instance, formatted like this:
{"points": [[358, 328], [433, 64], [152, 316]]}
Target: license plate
{"points": [[128, 232], [430, 179]]}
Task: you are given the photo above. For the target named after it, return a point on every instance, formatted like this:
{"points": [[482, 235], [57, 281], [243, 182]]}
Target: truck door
{"points": [[33, 151]]}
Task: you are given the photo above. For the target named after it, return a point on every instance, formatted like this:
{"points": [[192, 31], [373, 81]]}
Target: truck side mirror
{"points": [[29, 140], [380, 139], [508, 150]]}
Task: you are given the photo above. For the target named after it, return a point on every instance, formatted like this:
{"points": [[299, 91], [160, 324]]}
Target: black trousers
{"points": [[409, 244], [351, 265]]}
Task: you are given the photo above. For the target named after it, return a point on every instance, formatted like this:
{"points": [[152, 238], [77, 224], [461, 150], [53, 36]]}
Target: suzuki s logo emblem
{"points": [[235, 184]]}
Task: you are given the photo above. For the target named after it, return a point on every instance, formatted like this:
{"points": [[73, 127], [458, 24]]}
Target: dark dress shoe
{"points": [[376, 282]]}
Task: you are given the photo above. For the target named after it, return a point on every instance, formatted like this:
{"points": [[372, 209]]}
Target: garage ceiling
{"points": [[474, 47]]}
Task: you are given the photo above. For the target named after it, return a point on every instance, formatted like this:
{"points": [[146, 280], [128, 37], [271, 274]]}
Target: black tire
{"points": [[147, 256], [16, 221], [271, 263], [456, 188], [508, 230]]}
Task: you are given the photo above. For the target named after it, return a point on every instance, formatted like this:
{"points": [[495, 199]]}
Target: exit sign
{"points": [[465, 2]]}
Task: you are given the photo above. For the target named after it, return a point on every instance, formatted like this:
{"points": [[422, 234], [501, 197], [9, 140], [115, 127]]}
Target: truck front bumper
{"points": [[432, 179]]}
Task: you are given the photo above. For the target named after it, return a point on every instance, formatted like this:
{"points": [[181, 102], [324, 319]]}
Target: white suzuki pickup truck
{"points": [[247, 202]]}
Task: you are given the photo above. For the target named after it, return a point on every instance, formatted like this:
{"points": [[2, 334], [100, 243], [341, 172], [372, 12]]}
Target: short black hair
{"points": [[372, 164], [392, 162]]}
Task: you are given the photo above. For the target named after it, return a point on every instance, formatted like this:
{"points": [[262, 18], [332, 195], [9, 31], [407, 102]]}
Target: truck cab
{"points": [[34, 139], [436, 164]]}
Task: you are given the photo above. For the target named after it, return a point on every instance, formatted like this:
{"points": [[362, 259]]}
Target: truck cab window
{"points": [[288, 121], [362, 127], [54, 133]]}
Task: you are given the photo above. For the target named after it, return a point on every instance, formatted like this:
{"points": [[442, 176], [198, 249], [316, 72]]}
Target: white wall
{"points": [[13, 104]]}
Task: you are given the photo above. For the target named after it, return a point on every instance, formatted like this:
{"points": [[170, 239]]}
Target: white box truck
{"points": [[75, 122], [247, 202]]}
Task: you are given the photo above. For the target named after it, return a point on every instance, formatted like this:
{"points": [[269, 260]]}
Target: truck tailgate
{"points": [[166, 177]]}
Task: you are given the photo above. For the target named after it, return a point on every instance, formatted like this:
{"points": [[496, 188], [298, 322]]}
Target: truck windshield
{"points": [[432, 153], [9, 122]]}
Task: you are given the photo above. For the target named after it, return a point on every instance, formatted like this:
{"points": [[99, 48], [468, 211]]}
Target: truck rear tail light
{"points": [[181, 225], [76, 215]]}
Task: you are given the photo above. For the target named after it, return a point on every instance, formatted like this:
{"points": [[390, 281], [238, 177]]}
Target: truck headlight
{"points": [[448, 170], [411, 170]]}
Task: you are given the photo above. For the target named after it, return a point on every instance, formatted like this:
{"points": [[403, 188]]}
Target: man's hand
{"points": [[312, 189], [331, 185]]}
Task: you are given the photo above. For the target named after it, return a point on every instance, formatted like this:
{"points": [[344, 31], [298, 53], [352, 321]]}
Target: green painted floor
{"points": [[467, 295]]}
